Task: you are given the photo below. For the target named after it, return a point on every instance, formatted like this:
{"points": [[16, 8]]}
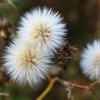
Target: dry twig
{"points": [[66, 84]]}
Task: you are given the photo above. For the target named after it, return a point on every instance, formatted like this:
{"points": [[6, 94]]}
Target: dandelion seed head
{"points": [[25, 64], [90, 60], [44, 28]]}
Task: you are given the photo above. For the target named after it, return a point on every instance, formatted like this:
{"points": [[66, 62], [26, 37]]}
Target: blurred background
{"points": [[83, 24]]}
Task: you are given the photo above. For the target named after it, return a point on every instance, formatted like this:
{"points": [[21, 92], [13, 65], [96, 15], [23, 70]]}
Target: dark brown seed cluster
{"points": [[65, 52], [5, 29]]}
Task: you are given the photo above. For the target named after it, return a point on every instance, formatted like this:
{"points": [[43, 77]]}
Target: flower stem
{"points": [[49, 87]]}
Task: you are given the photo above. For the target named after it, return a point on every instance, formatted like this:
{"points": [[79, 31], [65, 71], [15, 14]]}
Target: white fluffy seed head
{"points": [[25, 64], [44, 28], [90, 60]]}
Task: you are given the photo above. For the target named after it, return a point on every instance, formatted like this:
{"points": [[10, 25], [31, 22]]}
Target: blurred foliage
{"points": [[83, 23]]}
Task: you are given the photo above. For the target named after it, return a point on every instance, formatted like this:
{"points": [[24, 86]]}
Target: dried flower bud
{"points": [[5, 29], [65, 52]]}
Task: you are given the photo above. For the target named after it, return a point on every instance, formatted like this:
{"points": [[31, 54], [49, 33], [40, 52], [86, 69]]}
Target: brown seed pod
{"points": [[64, 53], [5, 29]]}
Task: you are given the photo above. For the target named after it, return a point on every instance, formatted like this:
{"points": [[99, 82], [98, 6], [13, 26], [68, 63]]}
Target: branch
{"points": [[94, 83], [67, 84], [88, 87]]}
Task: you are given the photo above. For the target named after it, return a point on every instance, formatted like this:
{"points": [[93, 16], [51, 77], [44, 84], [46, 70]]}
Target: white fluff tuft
{"points": [[44, 28], [25, 64], [90, 60]]}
